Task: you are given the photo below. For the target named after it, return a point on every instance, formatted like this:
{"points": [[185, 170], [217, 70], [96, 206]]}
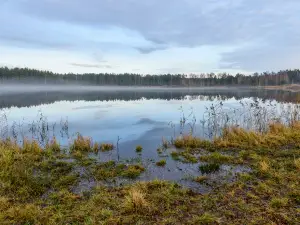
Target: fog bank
{"points": [[6, 89]]}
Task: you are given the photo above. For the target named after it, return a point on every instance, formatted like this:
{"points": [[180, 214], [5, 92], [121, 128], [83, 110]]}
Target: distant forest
{"points": [[25, 75]]}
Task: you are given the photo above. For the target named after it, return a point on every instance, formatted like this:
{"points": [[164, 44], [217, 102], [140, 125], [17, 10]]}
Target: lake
{"points": [[128, 117]]}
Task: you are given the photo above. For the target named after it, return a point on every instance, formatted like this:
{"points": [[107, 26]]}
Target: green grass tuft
{"points": [[139, 148], [161, 163], [175, 155], [209, 168]]}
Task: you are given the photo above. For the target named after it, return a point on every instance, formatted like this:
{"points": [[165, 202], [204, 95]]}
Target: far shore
{"points": [[288, 87]]}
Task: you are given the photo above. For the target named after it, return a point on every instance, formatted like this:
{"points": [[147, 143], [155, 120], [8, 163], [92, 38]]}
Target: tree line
{"points": [[26, 75]]}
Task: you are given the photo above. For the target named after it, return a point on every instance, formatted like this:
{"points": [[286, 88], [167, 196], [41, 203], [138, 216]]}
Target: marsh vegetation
{"points": [[42, 185]]}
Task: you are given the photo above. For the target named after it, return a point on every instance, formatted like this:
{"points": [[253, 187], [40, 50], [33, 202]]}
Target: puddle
{"points": [[174, 171]]}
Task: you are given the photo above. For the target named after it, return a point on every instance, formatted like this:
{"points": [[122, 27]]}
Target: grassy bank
{"points": [[41, 185]]}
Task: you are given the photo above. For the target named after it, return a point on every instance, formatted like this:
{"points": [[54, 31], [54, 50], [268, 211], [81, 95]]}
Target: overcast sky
{"points": [[150, 36]]}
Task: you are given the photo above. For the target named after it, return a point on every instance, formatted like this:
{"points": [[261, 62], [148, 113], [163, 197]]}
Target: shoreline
{"points": [[288, 87]]}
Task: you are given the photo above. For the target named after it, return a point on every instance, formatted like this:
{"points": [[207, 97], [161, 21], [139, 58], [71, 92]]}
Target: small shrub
{"points": [[209, 168], [161, 163], [139, 148]]}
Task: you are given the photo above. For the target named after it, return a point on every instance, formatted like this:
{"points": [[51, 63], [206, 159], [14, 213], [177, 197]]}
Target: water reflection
{"points": [[33, 99]]}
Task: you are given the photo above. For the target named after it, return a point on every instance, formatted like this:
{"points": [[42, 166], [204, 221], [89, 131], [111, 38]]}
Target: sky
{"points": [[150, 36]]}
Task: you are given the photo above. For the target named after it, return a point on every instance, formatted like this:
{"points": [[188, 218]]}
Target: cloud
{"points": [[187, 23], [261, 58], [263, 34], [35, 42], [147, 50]]}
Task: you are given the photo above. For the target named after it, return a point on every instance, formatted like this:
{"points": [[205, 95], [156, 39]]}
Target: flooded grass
{"points": [[111, 169], [209, 168], [175, 155], [200, 179], [38, 182], [139, 148], [161, 163]]}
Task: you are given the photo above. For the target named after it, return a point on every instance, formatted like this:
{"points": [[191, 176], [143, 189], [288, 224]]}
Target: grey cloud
{"points": [[98, 57], [186, 23], [146, 50], [262, 59], [280, 50], [34, 42], [265, 24]]}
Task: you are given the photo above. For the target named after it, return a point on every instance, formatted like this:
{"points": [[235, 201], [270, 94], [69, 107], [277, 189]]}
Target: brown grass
{"points": [[82, 144], [136, 201]]}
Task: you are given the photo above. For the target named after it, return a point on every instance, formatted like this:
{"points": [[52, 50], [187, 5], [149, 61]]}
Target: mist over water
{"points": [[21, 95], [29, 88]]}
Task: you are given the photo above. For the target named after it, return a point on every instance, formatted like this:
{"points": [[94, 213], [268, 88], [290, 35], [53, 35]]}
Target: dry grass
{"points": [[53, 145], [37, 185], [31, 146], [264, 166], [200, 179], [136, 201], [105, 147], [187, 142], [297, 163], [82, 144], [278, 135]]}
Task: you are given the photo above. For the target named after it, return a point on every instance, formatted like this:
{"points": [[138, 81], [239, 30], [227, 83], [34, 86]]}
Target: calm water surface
{"points": [[134, 117]]}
